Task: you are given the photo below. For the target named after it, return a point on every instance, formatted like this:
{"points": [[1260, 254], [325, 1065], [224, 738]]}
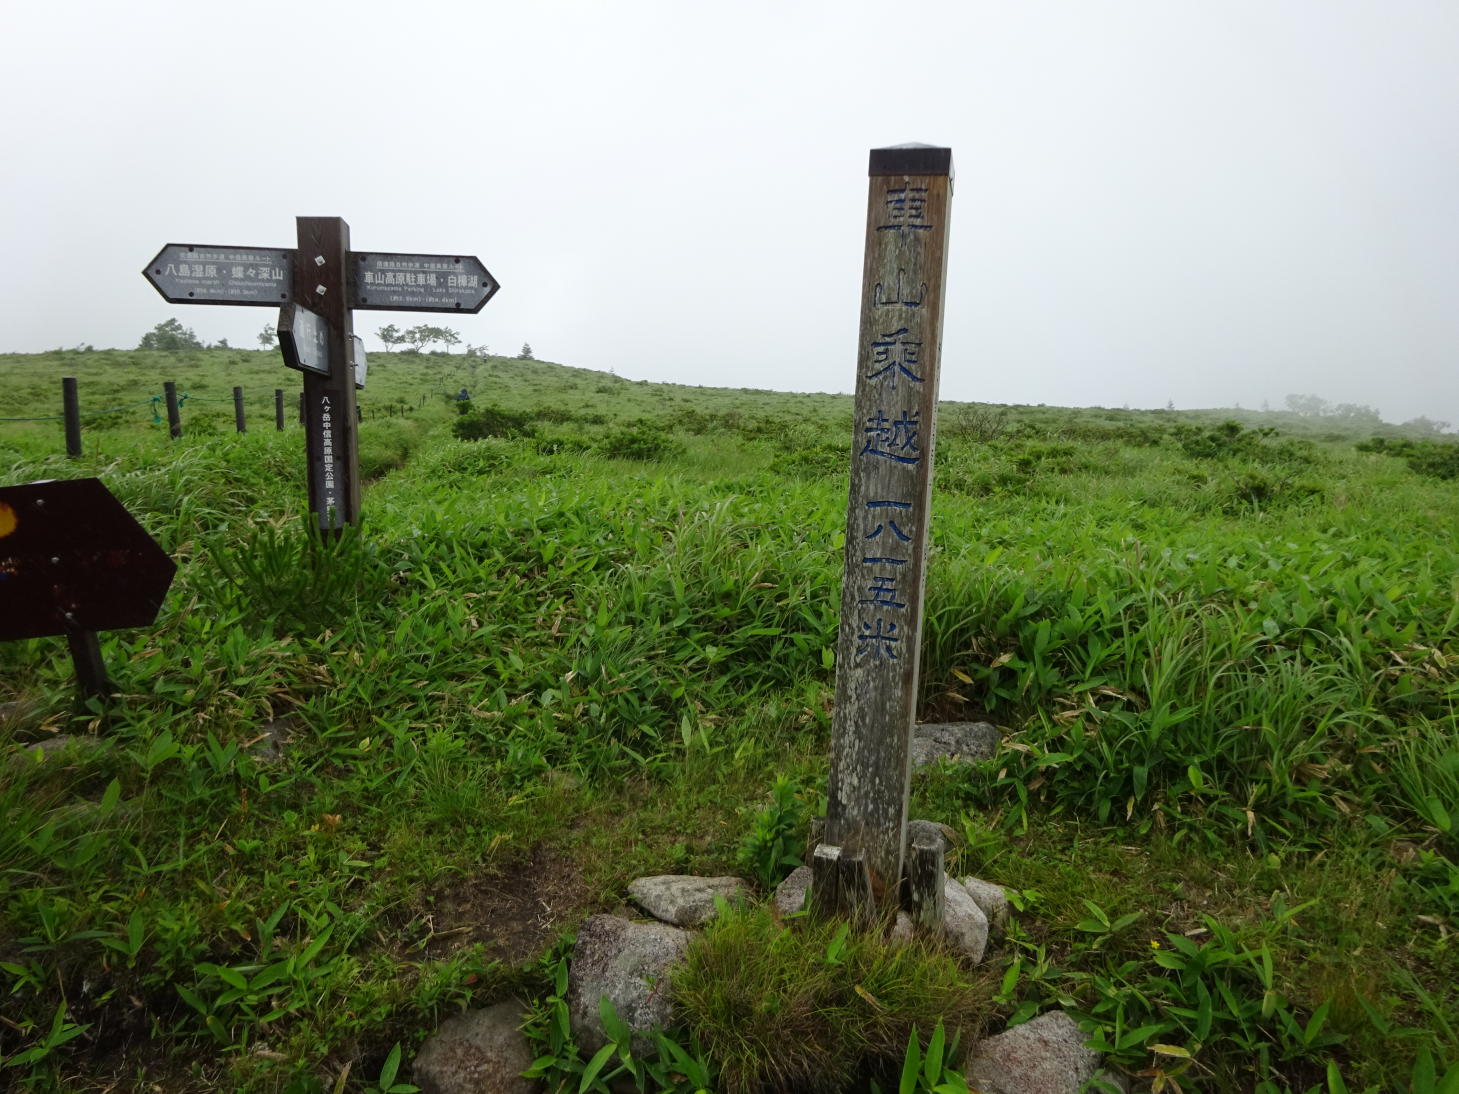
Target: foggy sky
{"points": [[1198, 203]]}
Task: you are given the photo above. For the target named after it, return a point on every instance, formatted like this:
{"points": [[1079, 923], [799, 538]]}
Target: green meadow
{"points": [[586, 632]]}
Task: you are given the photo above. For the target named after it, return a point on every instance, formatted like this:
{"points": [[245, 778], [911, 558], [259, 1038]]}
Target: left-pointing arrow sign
{"points": [[198, 273]]}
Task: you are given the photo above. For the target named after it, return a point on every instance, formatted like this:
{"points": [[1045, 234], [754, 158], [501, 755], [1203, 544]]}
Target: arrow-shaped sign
{"points": [[197, 273], [391, 282], [73, 559]]}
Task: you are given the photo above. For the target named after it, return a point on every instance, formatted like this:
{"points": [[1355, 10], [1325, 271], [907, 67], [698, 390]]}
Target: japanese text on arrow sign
{"points": [[397, 282], [187, 273]]}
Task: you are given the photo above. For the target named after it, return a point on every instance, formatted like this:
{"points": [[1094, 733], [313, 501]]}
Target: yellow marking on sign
{"points": [[8, 520]]}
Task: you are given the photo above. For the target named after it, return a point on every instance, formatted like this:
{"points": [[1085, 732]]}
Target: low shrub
{"points": [[639, 442], [810, 1005], [492, 421]]}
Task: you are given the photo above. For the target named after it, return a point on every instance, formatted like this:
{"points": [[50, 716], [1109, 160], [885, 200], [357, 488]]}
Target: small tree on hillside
{"points": [[526, 354], [390, 336], [268, 337], [170, 337], [447, 337]]}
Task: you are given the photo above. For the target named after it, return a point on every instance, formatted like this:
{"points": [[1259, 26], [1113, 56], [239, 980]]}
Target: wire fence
{"points": [[156, 402], [157, 406]]}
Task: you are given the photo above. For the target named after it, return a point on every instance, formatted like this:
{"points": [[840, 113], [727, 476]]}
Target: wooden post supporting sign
{"points": [[317, 285], [878, 649], [321, 285]]}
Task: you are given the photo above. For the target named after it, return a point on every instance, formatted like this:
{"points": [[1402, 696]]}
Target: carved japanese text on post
{"points": [[887, 519]]}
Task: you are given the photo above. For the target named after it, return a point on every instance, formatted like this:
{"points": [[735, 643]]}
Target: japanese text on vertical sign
{"points": [[326, 458]]}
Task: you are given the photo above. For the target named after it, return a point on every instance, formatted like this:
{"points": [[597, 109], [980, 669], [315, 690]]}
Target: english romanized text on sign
{"points": [[402, 282], [196, 273]]}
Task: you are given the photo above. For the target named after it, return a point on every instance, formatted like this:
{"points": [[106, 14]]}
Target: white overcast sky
{"points": [[1208, 203]]}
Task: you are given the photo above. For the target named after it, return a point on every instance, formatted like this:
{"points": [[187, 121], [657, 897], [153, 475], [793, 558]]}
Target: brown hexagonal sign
{"points": [[73, 559]]}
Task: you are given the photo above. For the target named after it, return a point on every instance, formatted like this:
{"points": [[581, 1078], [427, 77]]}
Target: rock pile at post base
{"points": [[631, 963]]}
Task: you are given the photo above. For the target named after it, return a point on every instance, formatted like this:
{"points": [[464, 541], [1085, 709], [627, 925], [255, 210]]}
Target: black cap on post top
{"points": [[911, 159]]}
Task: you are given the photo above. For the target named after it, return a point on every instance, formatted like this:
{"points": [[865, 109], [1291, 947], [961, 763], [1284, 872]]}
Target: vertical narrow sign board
{"points": [[322, 285], [859, 866]]}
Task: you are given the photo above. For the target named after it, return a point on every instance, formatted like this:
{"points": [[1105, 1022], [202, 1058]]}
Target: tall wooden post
{"points": [[238, 422], [71, 411], [321, 284], [879, 645], [279, 409]]}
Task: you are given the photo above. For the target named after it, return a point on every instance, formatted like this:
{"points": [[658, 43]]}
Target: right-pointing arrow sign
{"points": [[394, 282]]}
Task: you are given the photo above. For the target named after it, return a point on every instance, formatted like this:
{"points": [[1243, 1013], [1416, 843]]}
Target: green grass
{"points": [[1224, 660], [813, 1006]]}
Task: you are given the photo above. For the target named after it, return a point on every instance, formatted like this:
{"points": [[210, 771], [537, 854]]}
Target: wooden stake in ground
{"points": [[878, 650]]}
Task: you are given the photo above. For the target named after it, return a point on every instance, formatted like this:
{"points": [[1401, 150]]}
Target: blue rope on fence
{"points": [[154, 402]]}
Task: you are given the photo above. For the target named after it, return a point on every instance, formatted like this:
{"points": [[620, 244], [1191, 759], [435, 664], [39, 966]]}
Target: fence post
{"points": [[238, 410], [279, 409], [174, 419], [71, 410]]}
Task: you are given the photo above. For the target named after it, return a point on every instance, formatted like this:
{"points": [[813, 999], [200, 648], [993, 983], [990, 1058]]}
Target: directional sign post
{"points": [[317, 285], [73, 561]]}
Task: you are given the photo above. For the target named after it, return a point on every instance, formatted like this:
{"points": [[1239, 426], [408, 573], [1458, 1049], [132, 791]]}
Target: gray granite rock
{"points": [[790, 894], [479, 1052], [962, 742], [902, 928], [963, 921], [992, 899], [1046, 1055], [268, 745], [19, 714], [932, 832], [682, 899], [628, 963]]}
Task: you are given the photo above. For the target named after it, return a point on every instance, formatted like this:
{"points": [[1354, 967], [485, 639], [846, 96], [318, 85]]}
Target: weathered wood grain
{"points": [[321, 284], [878, 649], [925, 883]]}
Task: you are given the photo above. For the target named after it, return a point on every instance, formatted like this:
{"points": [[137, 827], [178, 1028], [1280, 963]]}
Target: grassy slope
{"points": [[1224, 662]]}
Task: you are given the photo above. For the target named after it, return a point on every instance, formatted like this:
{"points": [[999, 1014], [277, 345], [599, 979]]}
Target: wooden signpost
{"points": [[317, 285], [859, 868]]}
